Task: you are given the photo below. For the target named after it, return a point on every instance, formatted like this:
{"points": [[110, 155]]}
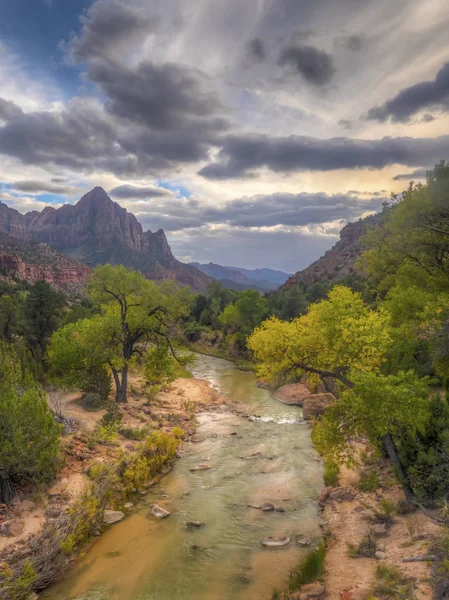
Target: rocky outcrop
{"points": [[340, 260], [314, 405], [97, 230], [38, 262], [292, 394]]}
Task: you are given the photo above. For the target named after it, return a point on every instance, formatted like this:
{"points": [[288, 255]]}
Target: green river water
{"points": [[265, 458]]}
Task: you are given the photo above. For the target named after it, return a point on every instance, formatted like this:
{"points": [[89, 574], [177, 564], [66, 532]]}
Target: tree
{"points": [[29, 435], [135, 316], [248, 311], [378, 408], [337, 336], [43, 311]]}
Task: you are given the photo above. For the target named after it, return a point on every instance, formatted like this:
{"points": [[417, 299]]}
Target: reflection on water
{"points": [[268, 458]]}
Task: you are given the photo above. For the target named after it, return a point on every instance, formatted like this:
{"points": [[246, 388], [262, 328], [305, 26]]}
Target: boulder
{"points": [[380, 555], [12, 528], [314, 405], [312, 590], [324, 494], [341, 494], [159, 512], [292, 394], [274, 542], [113, 516]]}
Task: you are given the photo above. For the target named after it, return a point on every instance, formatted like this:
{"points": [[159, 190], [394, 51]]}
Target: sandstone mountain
{"points": [[97, 230], [35, 261], [339, 261]]}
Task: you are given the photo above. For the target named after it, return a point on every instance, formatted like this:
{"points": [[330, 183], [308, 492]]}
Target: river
{"points": [[265, 458]]}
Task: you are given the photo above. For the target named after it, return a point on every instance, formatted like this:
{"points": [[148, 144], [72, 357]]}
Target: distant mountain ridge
{"points": [[97, 230], [239, 278]]}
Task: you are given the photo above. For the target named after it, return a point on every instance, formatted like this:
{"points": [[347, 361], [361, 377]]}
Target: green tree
{"points": [[248, 311], [378, 408], [29, 435], [136, 315], [43, 310]]}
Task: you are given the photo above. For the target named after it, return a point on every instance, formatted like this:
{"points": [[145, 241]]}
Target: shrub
{"points": [[112, 416], [331, 471], [29, 434], [369, 482], [366, 548], [387, 509], [93, 402], [97, 380], [392, 585], [310, 568], [134, 433]]}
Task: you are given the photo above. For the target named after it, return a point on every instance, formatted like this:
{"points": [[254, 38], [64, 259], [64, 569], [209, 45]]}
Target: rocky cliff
{"points": [[339, 261], [35, 261], [97, 230]]}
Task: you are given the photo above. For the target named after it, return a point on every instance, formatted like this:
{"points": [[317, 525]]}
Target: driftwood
{"points": [[410, 559]]}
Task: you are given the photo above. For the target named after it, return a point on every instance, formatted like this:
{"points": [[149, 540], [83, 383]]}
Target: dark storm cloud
{"points": [[240, 155], [36, 187], [133, 191], [8, 110], [289, 210], [417, 174], [107, 27], [163, 97], [411, 100], [315, 66], [256, 49]]}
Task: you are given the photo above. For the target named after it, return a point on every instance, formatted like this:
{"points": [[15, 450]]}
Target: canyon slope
{"points": [[97, 230], [238, 278], [35, 261], [340, 260]]}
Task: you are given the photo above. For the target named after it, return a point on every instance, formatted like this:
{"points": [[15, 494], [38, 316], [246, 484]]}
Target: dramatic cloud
{"points": [[422, 96], [262, 211], [240, 155], [37, 187], [316, 66], [108, 27], [416, 174], [133, 191]]}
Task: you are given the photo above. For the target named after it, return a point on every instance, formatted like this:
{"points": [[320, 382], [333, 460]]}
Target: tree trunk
{"points": [[7, 491], [121, 386], [392, 453]]}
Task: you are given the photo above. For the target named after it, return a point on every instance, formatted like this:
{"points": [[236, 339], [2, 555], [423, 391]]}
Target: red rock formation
{"points": [[97, 230], [57, 275]]}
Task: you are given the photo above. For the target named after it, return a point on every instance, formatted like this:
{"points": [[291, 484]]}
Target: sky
{"points": [[251, 132]]}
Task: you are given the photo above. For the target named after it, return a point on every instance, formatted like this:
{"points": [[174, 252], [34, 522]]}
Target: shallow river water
{"points": [[266, 458]]}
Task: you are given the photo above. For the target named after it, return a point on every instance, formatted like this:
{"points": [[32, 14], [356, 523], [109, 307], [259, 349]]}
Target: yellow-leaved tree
{"points": [[336, 336]]}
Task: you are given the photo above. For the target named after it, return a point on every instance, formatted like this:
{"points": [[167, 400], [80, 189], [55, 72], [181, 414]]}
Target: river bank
{"points": [[34, 512]]}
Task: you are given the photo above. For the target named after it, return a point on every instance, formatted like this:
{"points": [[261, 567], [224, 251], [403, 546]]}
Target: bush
{"points": [[29, 434], [369, 482], [97, 381], [113, 415], [331, 471], [134, 433], [367, 547], [392, 585], [93, 402], [310, 568]]}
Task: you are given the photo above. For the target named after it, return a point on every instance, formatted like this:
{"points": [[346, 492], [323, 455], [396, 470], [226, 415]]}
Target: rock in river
{"points": [[274, 542], [202, 467], [159, 512], [267, 507]]}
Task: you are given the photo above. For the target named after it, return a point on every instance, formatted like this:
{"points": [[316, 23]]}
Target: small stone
{"points": [[380, 530], [159, 512], [193, 524], [273, 542], [267, 507], [202, 467], [324, 494], [279, 509], [129, 505], [113, 516], [143, 492], [258, 506], [12, 528], [341, 494], [312, 590], [380, 555], [196, 438], [303, 543]]}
